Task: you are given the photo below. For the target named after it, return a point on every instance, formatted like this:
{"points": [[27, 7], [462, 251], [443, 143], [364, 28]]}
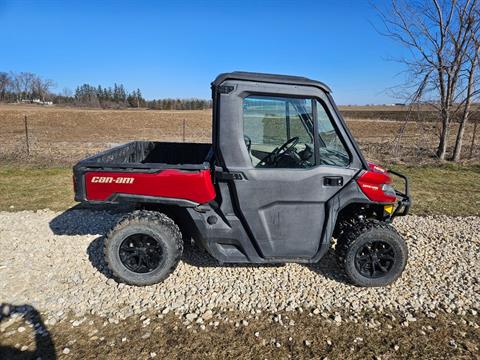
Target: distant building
{"points": [[37, 102]]}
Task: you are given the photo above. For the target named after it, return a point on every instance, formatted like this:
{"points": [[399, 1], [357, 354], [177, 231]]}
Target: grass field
{"points": [[445, 189], [451, 190], [34, 188]]}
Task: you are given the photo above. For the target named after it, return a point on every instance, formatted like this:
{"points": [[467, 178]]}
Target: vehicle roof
{"points": [[269, 78]]}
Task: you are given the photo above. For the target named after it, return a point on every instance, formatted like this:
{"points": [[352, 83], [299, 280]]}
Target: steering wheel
{"points": [[273, 157]]}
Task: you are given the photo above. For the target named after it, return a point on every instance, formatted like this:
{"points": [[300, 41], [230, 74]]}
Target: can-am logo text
{"points": [[111, 180]]}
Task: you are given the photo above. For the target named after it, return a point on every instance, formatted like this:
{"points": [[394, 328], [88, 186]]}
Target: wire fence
{"points": [[31, 138], [57, 137]]}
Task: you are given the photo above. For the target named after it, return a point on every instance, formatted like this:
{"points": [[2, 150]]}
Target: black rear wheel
{"points": [[141, 253], [143, 248], [372, 253]]}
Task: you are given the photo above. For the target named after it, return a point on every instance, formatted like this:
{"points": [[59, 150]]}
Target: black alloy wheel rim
{"points": [[375, 259], [140, 253]]}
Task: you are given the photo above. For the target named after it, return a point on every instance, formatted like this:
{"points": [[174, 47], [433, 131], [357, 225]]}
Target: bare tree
{"points": [[474, 134], [41, 87], [471, 81], [23, 84], [15, 85], [26, 83], [441, 37], [5, 83]]}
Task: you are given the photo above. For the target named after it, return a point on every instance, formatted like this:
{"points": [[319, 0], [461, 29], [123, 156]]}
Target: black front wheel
{"points": [[372, 253], [143, 248]]}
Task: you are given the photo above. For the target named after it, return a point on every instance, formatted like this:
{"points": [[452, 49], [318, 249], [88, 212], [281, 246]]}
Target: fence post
{"points": [[26, 135], [183, 136]]}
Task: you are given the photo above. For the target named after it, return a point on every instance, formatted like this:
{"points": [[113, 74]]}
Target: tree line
{"points": [[29, 87]]}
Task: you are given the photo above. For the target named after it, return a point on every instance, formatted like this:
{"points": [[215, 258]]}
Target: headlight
{"points": [[388, 190]]}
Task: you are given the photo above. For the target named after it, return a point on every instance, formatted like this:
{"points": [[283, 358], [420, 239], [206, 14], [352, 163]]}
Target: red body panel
{"points": [[371, 183], [189, 185]]}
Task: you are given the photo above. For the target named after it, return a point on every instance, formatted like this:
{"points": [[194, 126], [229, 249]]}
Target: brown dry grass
{"points": [[65, 135], [446, 337]]}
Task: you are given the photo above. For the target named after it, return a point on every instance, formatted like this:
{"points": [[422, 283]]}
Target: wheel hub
{"points": [[140, 253], [375, 259]]}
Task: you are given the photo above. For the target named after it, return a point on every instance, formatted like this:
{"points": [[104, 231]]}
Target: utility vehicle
{"points": [[282, 175]]}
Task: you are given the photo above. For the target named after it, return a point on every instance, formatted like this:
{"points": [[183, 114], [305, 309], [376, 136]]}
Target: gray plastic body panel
{"points": [[228, 242], [284, 214]]}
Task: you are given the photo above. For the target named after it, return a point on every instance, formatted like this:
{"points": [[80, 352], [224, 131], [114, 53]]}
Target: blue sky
{"points": [[176, 48]]}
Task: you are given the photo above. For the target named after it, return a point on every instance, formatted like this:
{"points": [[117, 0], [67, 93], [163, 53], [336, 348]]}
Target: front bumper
{"points": [[403, 198]]}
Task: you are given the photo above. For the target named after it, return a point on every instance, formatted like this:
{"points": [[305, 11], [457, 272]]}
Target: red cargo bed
{"points": [[147, 172]]}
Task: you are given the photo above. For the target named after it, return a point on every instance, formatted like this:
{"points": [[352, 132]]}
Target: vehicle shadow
{"points": [[198, 257], [87, 220], [192, 255], [329, 268], [96, 258], [44, 346], [81, 220]]}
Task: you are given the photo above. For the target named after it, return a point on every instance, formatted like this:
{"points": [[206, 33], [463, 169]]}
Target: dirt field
{"points": [[399, 113], [65, 135]]}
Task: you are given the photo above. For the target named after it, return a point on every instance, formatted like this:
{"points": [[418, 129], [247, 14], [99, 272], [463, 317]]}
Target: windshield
{"points": [[331, 148]]}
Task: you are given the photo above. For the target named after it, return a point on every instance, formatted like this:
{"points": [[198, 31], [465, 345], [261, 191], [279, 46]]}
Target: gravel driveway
{"points": [[54, 262]]}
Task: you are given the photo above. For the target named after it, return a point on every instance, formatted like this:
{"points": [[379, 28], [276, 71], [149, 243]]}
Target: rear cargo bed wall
{"points": [[177, 153], [148, 152]]}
